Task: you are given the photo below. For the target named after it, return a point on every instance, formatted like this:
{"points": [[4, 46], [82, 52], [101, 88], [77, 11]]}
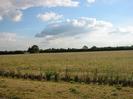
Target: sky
{"points": [[65, 23]]}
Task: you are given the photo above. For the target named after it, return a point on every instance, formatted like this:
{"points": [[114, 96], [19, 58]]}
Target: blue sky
{"points": [[65, 23]]}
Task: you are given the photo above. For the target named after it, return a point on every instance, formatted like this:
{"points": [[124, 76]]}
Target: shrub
{"points": [[48, 75], [76, 78]]}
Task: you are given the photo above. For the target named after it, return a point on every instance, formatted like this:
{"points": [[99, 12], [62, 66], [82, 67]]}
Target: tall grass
{"points": [[93, 77]]}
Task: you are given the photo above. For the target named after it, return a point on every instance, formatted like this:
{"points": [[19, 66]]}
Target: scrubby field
{"points": [[121, 62], [82, 69], [26, 89]]}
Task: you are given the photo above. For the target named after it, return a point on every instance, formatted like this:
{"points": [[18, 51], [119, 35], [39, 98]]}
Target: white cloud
{"points": [[13, 8], [90, 31], [71, 33], [1, 18], [7, 37], [128, 29], [12, 41], [90, 1], [24, 4], [15, 16], [8, 9], [74, 27], [49, 16]]}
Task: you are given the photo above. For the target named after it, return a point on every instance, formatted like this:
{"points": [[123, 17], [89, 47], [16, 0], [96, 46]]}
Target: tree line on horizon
{"points": [[36, 49]]}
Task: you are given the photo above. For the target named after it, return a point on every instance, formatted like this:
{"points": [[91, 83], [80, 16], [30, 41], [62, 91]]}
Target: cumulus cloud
{"points": [[9, 9], [74, 27], [13, 8], [47, 3], [15, 15], [49, 16], [71, 33], [84, 30]]}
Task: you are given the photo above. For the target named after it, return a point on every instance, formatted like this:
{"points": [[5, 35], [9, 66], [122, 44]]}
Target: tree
{"points": [[85, 47], [93, 47], [33, 49]]}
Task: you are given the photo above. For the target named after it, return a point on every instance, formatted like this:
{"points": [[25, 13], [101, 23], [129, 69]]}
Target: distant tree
{"points": [[85, 47], [93, 47], [33, 49]]}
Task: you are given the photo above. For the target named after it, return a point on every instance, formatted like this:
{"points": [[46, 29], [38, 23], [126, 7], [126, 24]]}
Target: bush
{"points": [[76, 78], [48, 75]]}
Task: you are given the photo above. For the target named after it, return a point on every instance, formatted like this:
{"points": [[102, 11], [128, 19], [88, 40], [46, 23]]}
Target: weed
{"points": [[73, 90], [118, 87]]}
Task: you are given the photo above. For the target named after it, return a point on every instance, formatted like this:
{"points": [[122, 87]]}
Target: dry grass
{"points": [[23, 89], [119, 61]]}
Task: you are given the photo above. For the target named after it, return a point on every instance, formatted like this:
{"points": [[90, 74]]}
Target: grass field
{"points": [[116, 62], [24, 89], [119, 61]]}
